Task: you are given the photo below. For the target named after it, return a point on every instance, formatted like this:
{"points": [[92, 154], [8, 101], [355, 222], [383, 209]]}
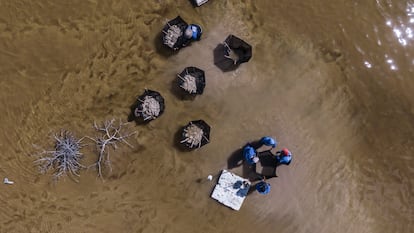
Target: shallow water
{"points": [[329, 80]]}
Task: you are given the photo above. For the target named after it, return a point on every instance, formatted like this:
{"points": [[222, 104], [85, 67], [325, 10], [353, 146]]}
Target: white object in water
{"points": [[171, 36], [231, 190], [188, 33], [7, 181], [200, 2], [209, 177]]}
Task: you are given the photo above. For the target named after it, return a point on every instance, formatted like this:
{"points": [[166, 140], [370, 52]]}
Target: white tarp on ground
{"points": [[231, 190]]}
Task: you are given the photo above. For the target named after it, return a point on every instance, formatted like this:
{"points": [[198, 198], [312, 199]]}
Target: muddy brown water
{"points": [[330, 80]]}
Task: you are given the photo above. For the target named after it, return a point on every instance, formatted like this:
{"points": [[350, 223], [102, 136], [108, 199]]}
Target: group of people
{"points": [[252, 156]]}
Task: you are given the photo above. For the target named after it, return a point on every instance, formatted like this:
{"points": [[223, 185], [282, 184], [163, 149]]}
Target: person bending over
{"points": [[283, 156]]}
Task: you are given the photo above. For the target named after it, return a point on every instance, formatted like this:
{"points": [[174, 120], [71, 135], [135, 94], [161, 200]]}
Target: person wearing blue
{"points": [[268, 141], [250, 155], [263, 187], [193, 32], [283, 156]]}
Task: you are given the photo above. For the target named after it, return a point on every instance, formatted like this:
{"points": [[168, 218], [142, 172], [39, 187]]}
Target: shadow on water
{"points": [[223, 63], [252, 188], [181, 93], [236, 159], [161, 48]]}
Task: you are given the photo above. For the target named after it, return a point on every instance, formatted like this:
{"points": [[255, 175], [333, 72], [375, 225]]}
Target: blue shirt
{"points": [[249, 153], [284, 159], [263, 187], [196, 31], [268, 141]]}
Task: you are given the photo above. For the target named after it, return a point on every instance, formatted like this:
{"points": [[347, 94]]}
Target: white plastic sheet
{"points": [[231, 190]]}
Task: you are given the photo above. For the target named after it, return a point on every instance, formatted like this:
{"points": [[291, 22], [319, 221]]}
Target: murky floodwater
{"points": [[331, 80]]}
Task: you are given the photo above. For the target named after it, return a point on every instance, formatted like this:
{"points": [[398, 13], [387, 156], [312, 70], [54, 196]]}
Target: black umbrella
{"points": [[231, 53], [195, 134], [192, 80], [174, 34], [150, 105]]}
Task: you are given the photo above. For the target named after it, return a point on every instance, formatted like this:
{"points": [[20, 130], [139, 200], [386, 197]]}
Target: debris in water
{"points": [[192, 80], [7, 181], [189, 84], [195, 134], [150, 105], [111, 133], [65, 158]]}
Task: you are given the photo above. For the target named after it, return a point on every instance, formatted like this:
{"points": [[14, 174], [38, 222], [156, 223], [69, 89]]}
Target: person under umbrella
{"points": [[177, 33], [283, 156]]}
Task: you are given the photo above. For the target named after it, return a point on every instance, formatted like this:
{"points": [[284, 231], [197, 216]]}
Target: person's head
{"points": [[286, 152]]}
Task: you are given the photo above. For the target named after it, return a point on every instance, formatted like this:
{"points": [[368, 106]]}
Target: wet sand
{"points": [[68, 65]]}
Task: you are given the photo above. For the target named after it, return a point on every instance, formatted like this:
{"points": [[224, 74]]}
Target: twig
{"points": [[111, 134]]}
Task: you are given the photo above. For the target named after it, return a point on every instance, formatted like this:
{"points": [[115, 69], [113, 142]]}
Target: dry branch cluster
{"points": [[189, 83], [150, 108], [66, 156], [171, 36], [193, 135], [110, 135]]}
